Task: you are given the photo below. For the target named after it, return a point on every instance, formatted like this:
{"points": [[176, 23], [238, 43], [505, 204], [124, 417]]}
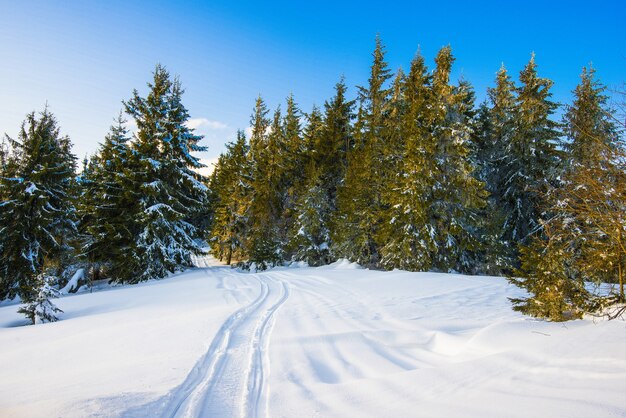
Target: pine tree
{"points": [[545, 275], [457, 194], [327, 138], [309, 235], [107, 207], [293, 157], [409, 240], [530, 161], [231, 188], [592, 198], [41, 307], [336, 139], [494, 139], [582, 238], [588, 123], [264, 246], [360, 197], [37, 213], [162, 165]]}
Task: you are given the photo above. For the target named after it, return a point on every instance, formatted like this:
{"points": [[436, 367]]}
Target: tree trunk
{"points": [[230, 255]]}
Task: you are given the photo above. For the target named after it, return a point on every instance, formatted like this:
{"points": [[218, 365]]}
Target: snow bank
{"points": [[72, 284]]}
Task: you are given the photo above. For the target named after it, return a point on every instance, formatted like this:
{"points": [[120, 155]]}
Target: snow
{"points": [[72, 284], [32, 188], [333, 341]]}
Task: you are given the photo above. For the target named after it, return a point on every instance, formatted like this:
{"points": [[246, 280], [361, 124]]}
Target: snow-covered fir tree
{"points": [[265, 247], [584, 216], [40, 308], [162, 169], [360, 197], [37, 213], [409, 241], [530, 161], [107, 205], [456, 193], [493, 139], [309, 234]]}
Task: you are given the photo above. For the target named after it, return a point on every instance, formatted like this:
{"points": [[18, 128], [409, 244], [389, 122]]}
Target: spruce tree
{"points": [[231, 188], [409, 240], [583, 235], [360, 197], [495, 136], [171, 192], [544, 273], [293, 157], [264, 239], [41, 307], [530, 161], [107, 207], [590, 202], [456, 195], [37, 214], [309, 234], [327, 138]]}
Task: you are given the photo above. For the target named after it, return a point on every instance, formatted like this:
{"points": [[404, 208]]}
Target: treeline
{"points": [[135, 212], [413, 175], [410, 174]]}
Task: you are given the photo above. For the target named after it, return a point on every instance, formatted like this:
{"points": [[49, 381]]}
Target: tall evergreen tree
{"points": [[293, 157], [456, 194], [108, 206], [37, 214], [360, 197], [264, 243], [327, 138], [310, 233], [494, 139], [163, 168], [530, 161], [585, 215], [409, 240], [231, 187]]}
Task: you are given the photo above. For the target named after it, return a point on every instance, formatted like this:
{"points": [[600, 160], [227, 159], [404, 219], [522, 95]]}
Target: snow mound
{"points": [[343, 264]]}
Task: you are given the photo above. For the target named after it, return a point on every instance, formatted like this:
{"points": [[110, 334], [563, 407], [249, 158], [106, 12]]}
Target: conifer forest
{"points": [[410, 173]]}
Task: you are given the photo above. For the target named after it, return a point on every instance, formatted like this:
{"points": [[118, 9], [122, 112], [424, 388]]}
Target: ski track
{"points": [[230, 379]]}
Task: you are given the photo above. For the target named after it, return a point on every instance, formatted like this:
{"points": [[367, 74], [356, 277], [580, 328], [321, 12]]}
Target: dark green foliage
{"points": [[407, 235], [107, 206], [230, 186], [266, 202], [310, 234], [531, 159], [456, 194], [360, 206], [36, 213], [544, 274], [327, 138], [583, 239]]}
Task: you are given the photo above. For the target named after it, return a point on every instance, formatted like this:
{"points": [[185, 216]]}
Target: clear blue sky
{"points": [[85, 57]]}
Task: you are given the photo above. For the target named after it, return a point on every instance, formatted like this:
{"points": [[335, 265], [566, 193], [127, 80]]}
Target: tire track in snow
{"points": [[230, 378]]}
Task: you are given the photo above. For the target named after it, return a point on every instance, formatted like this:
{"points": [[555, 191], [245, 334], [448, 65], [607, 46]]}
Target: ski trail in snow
{"points": [[258, 389], [230, 378]]}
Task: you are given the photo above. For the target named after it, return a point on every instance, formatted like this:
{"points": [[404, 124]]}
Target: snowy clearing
{"points": [[308, 342]]}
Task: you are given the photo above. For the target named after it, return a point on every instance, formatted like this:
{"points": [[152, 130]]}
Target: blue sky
{"points": [[85, 57]]}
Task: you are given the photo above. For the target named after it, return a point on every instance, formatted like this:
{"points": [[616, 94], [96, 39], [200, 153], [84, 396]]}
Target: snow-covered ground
{"points": [[333, 341]]}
